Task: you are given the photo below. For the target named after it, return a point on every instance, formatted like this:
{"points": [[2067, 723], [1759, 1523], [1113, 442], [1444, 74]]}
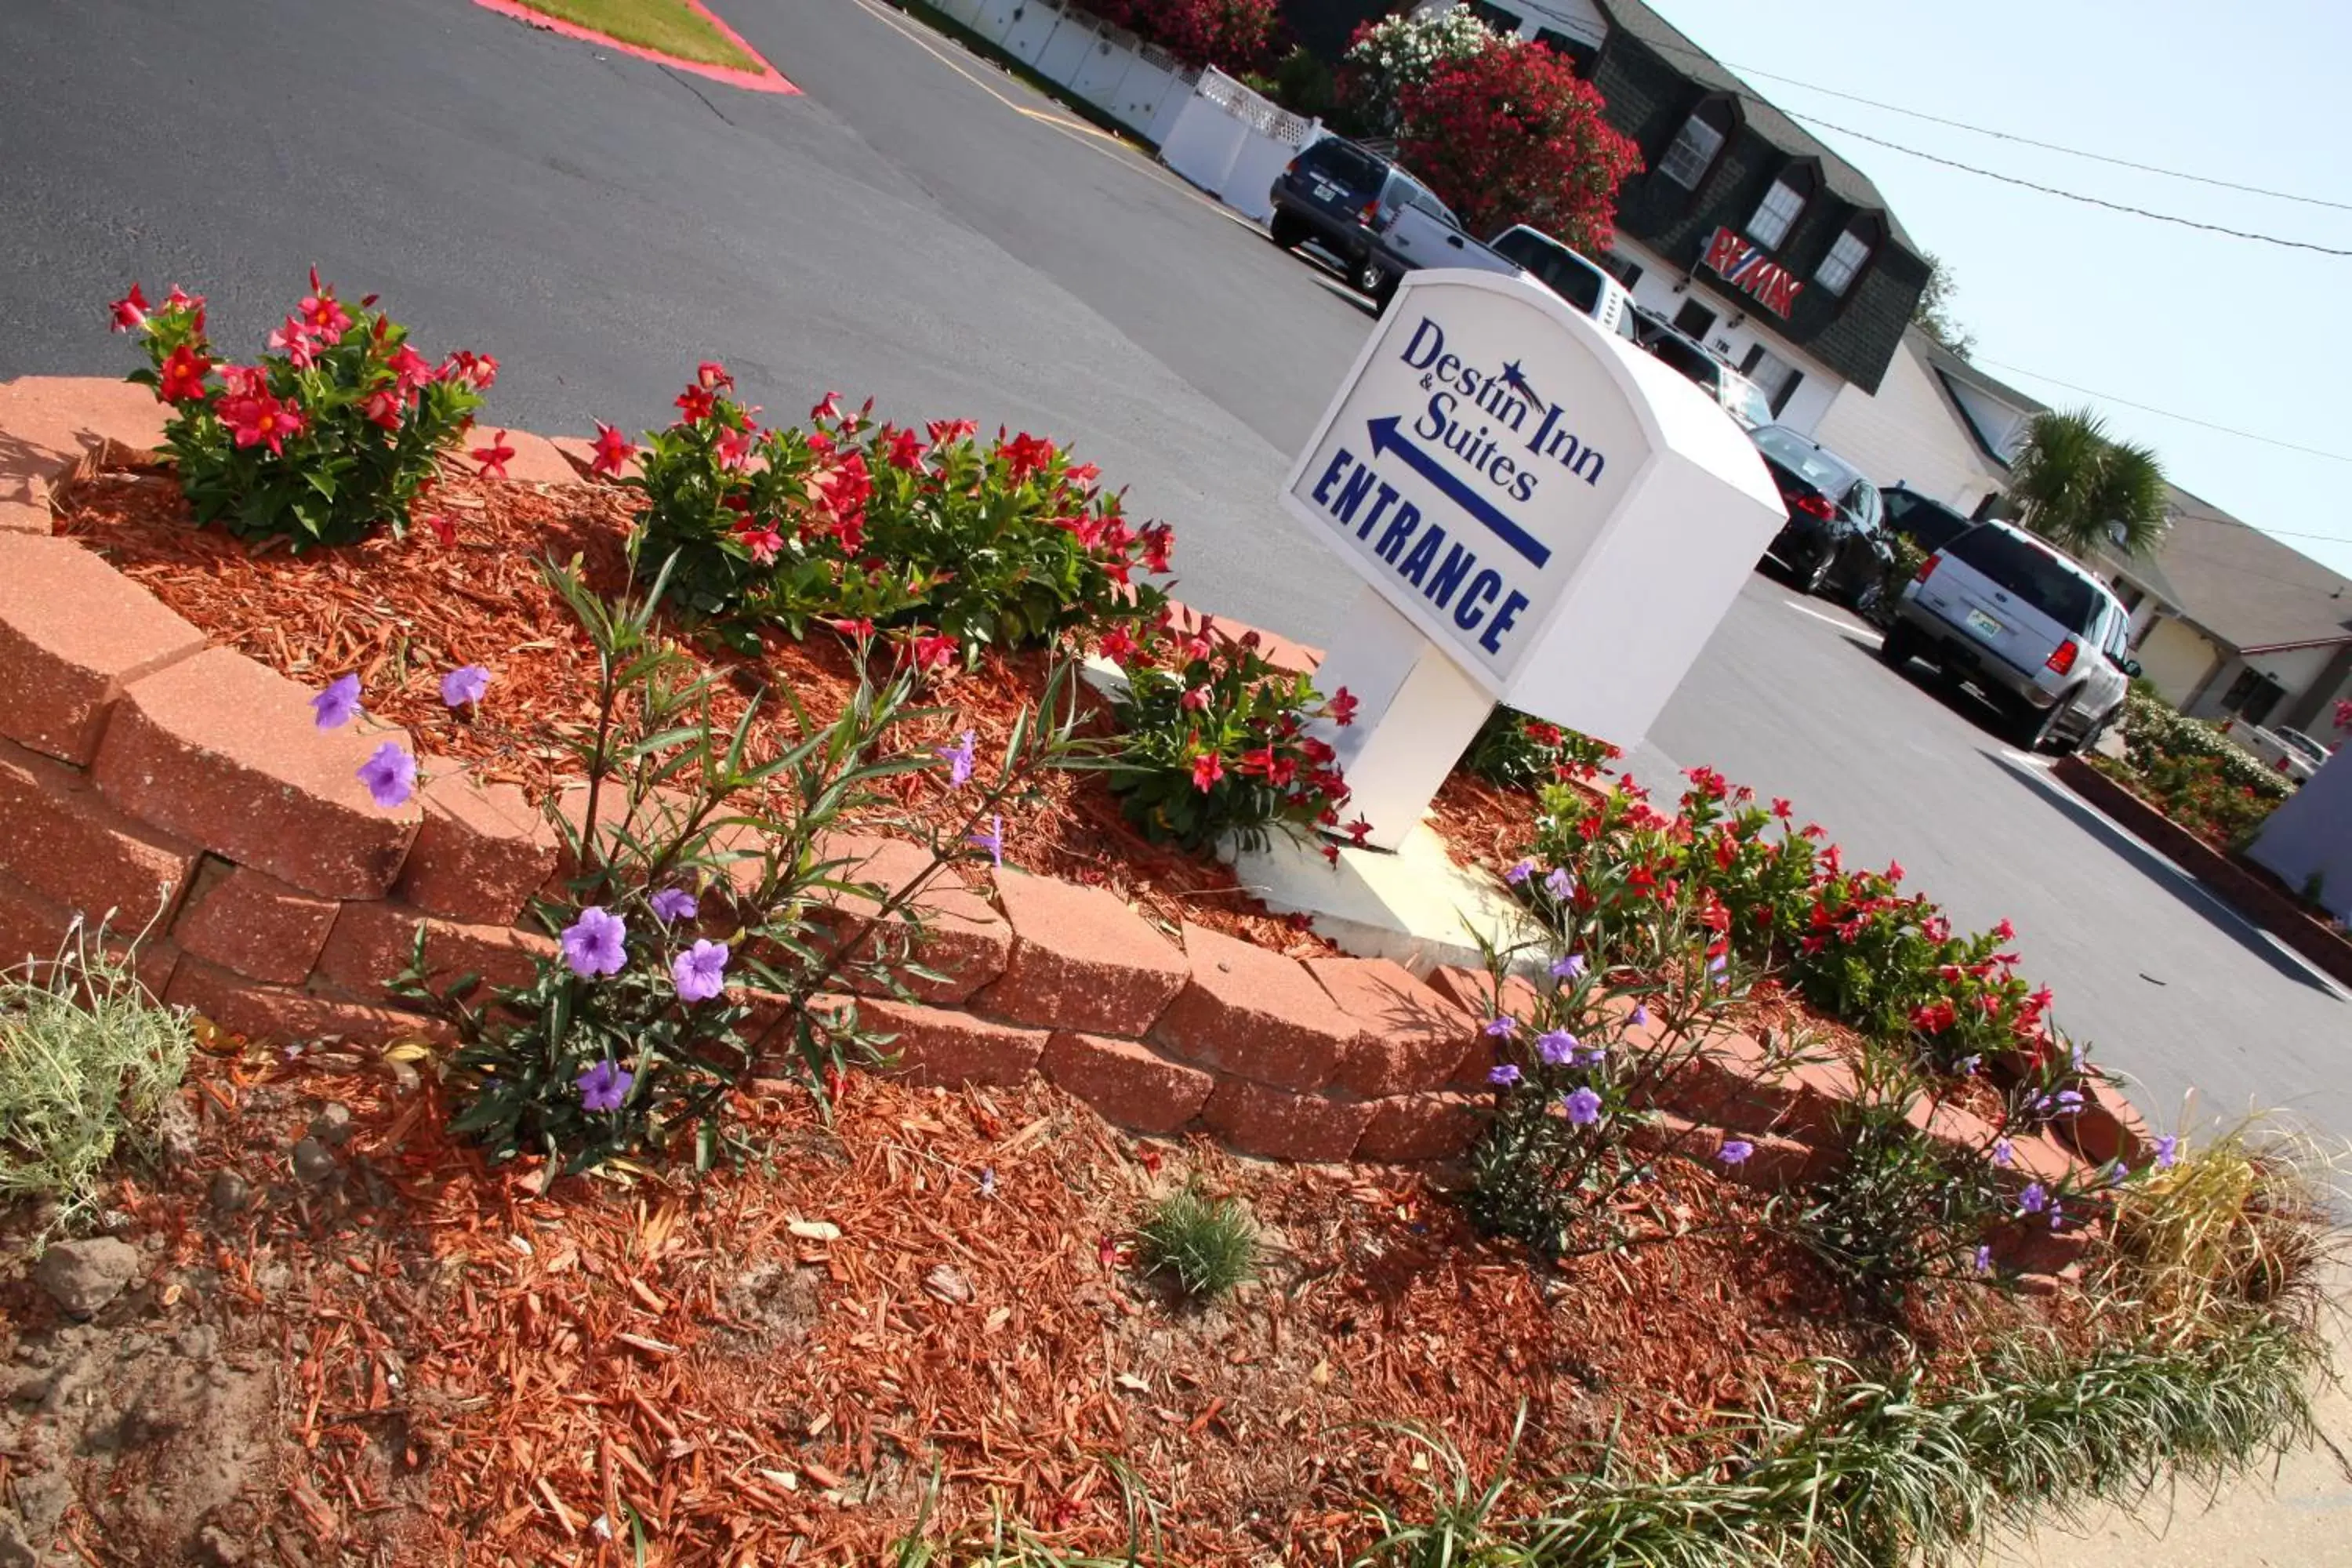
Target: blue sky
{"points": [[2227, 331]]}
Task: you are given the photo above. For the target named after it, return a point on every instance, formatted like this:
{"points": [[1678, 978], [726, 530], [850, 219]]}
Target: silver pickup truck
{"points": [[1415, 237]]}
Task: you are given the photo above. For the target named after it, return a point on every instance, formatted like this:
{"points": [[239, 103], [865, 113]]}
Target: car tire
{"points": [[1900, 647], [1286, 230], [1867, 598], [1816, 577], [2098, 730], [1367, 277], [2034, 728]]}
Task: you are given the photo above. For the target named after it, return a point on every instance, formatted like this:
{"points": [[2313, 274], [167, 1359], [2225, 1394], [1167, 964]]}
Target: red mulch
{"points": [[404, 611], [475, 1371]]}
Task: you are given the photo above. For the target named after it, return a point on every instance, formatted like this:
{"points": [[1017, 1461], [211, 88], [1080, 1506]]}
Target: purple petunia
{"points": [[1503, 1075], [603, 1087], [1571, 968], [672, 905], [464, 685], [1560, 884], [2033, 1199], [1502, 1026], [958, 759], [390, 774], [596, 943], [701, 972], [1984, 1259], [993, 841], [1584, 1105], [1556, 1046], [1736, 1151], [2167, 1151], [339, 704], [2004, 1152], [1517, 875]]}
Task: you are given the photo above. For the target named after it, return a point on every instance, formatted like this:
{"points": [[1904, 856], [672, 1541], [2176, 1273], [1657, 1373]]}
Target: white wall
{"points": [[2177, 658], [2295, 670], [1907, 434], [1656, 291], [1579, 19], [2003, 424], [1231, 142], [2311, 835]]}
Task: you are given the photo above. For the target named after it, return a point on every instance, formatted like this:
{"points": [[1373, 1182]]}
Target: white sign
{"points": [[1566, 518]]}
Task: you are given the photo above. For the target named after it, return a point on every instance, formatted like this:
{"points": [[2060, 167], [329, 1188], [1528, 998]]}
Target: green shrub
{"points": [[1899, 1206], [1208, 1244], [1519, 752], [88, 1060], [324, 441], [1213, 741]]}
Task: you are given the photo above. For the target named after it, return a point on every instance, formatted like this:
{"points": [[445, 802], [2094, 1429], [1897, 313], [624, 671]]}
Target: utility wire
{"points": [[2046, 146], [2168, 413], [2070, 195]]}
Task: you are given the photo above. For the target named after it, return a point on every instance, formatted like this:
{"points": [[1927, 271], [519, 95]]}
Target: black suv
{"points": [[1835, 540], [1930, 524], [1341, 196]]}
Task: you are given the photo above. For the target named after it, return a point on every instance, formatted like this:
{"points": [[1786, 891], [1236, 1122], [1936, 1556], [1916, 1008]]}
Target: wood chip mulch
{"points": [[404, 611]]}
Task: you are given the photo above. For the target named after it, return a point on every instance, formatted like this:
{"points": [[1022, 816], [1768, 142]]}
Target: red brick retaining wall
{"points": [[187, 790]]}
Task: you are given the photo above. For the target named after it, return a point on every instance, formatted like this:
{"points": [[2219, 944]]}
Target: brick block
{"points": [[1081, 960], [963, 940], [2109, 1126], [1130, 1084], [1773, 1162], [1309, 1129], [48, 425], [253, 924], [1407, 1036], [1436, 1124], [24, 516], [374, 940], [64, 842], [34, 931], [220, 751], [658, 818], [1731, 1080], [74, 633], [480, 852], [536, 461], [1952, 1126], [1473, 991], [937, 1046], [285, 1015], [2028, 1245], [1246, 1010]]}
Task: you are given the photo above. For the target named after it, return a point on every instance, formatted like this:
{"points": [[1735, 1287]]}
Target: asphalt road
{"points": [[920, 227]]}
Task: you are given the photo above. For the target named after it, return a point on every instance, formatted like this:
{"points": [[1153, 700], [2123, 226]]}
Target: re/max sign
{"points": [[1748, 269]]}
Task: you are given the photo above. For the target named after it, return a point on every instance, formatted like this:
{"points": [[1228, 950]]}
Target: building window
{"points": [[1775, 377], [1848, 256], [1578, 55], [1695, 321], [2253, 696], [1781, 205], [1695, 145], [1622, 268]]}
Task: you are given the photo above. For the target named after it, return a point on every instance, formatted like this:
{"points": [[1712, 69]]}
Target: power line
{"points": [[2046, 146], [2168, 413], [2070, 196]]}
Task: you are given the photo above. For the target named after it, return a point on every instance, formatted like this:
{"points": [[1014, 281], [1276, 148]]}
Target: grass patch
{"points": [[1209, 1245], [87, 1061], [670, 26]]}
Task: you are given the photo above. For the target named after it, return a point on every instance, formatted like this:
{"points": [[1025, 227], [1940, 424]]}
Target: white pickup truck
{"points": [[1417, 237]]}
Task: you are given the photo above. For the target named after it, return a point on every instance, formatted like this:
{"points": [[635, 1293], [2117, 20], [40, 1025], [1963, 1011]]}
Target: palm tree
{"points": [[2080, 490]]}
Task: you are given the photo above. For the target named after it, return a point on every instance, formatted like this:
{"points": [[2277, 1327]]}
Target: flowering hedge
{"points": [[331, 435], [1513, 135], [1388, 55], [1234, 35], [1519, 752], [2194, 773]]}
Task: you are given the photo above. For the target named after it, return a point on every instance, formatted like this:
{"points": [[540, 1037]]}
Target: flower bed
{"points": [[2194, 774]]}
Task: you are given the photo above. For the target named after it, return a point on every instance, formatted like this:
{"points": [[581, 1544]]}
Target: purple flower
{"points": [[336, 705], [1517, 875], [672, 905], [596, 943], [1639, 1017], [1560, 884], [1584, 1105], [2068, 1101], [390, 774], [2057, 1217], [2033, 1199], [1502, 1026], [1734, 1151], [959, 758], [1984, 1259], [2167, 1151], [701, 972], [464, 685], [993, 841], [1503, 1075], [1969, 1065], [1717, 964], [1556, 1046], [2004, 1152], [2078, 1055], [1571, 968], [604, 1086], [1590, 1056]]}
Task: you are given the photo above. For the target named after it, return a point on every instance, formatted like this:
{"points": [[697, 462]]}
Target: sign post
{"points": [[1543, 515]]}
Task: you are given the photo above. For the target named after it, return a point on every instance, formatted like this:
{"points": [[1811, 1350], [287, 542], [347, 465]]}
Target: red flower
{"points": [[179, 299], [438, 526], [1159, 540], [734, 449], [411, 371], [1359, 831], [828, 411], [905, 450], [478, 371], [1118, 645], [297, 341], [1332, 853], [1780, 808], [764, 542], [1195, 700], [382, 408], [183, 376], [1207, 769], [614, 451], [947, 432], [1023, 456], [860, 627], [695, 403], [257, 419], [1895, 870], [1259, 762], [129, 311], [710, 375], [324, 314], [1543, 734], [1343, 708], [493, 457], [1082, 474], [934, 652], [1934, 1019]]}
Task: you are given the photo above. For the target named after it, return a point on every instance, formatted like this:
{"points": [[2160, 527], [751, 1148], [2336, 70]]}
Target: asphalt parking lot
{"points": [[920, 227]]}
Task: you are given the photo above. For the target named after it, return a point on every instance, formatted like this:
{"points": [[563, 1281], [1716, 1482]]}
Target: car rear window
{"points": [[1343, 162], [1830, 475], [1688, 359], [2030, 572], [1558, 268], [1927, 523]]}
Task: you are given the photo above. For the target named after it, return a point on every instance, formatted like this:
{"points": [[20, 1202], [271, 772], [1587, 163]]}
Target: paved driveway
{"points": [[922, 228]]}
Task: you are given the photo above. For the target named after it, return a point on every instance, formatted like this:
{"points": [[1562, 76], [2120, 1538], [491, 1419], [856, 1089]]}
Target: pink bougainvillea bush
{"points": [[1234, 35], [327, 437]]}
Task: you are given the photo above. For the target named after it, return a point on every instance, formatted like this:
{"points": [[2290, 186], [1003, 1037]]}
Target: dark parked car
{"points": [[1835, 538], [1930, 524], [1341, 196]]}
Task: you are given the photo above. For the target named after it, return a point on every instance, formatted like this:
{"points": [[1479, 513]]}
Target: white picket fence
{"points": [[1208, 128]]}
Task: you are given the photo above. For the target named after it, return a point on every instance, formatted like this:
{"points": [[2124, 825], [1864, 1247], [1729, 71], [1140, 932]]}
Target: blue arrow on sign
{"points": [[1386, 439]]}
